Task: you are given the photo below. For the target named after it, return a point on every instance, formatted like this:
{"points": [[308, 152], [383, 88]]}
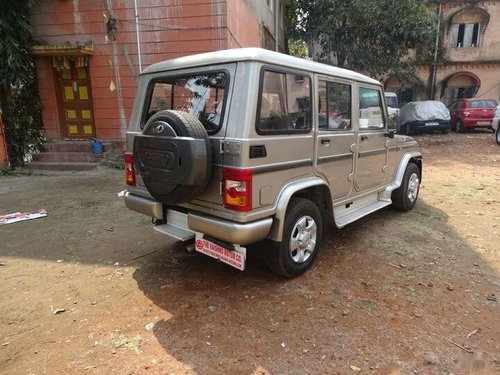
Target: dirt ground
{"points": [[394, 293]]}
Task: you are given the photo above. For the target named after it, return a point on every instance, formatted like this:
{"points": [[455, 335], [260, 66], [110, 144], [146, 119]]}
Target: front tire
{"points": [[497, 135], [302, 232], [405, 197]]}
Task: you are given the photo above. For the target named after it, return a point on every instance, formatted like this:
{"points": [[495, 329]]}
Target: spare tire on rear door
{"points": [[173, 156]]}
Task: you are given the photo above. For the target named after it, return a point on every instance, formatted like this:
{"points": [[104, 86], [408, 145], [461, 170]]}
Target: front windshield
{"points": [[202, 95], [392, 101]]}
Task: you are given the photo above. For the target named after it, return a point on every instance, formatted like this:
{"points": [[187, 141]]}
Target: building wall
{"points": [[168, 29], [241, 34], [487, 14], [476, 68]]}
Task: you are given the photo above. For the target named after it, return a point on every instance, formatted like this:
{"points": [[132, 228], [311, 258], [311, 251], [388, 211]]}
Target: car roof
{"points": [[258, 55]]}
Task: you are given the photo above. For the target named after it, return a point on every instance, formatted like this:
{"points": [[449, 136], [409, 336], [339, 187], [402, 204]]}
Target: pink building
{"points": [[88, 59]]}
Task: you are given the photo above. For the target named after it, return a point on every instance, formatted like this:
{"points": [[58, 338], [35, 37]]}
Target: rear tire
{"points": [[302, 234], [497, 135], [459, 127], [405, 197]]}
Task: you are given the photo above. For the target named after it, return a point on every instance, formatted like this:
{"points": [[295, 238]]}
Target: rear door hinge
{"points": [[230, 148]]}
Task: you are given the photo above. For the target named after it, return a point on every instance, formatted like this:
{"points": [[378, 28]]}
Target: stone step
{"points": [[61, 166], [79, 146], [86, 157], [72, 146]]}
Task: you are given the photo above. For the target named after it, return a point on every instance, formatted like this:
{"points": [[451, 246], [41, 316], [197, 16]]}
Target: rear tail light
{"points": [[238, 189], [129, 169], [466, 113]]}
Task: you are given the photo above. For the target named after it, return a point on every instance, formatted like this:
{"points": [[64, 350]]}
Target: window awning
{"points": [[67, 49]]}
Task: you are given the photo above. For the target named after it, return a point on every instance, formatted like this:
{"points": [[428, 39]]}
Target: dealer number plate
{"points": [[431, 123], [235, 258], [484, 123]]}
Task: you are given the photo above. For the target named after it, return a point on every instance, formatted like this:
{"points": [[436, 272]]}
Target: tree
{"points": [[294, 45], [375, 36], [18, 94]]}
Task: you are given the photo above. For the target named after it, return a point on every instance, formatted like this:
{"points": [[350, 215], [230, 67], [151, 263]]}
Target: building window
{"points": [[466, 35]]}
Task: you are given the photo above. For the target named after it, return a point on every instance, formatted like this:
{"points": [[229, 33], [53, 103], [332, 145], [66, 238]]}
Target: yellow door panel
{"points": [[88, 129], [86, 114], [73, 129], [71, 114], [84, 93], [68, 93], [81, 73], [66, 73]]}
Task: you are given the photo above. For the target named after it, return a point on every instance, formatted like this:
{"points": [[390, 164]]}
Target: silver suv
{"points": [[234, 147]]}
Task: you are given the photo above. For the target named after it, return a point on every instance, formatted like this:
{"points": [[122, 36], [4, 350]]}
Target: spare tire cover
{"points": [[174, 156]]}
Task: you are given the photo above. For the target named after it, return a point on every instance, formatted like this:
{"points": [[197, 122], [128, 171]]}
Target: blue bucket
{"points": [[96, 146]]}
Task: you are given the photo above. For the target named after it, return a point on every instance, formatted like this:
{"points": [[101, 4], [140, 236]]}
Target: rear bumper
{"points": [[230, 231], [476, 123], [216, 227], [420, 126], [144, 206]]}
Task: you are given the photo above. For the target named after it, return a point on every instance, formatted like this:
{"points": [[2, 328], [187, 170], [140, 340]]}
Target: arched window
{"points": [[460, 85], [467, 26]]}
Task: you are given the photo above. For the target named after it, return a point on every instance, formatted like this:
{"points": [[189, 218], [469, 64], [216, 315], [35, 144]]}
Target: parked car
{"points": [[234, 147], [424, 116], [391, 99], [472, 113], [495, 124]]}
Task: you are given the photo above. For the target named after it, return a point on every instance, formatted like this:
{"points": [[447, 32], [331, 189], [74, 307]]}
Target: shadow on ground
{"points": [[392, 292]]}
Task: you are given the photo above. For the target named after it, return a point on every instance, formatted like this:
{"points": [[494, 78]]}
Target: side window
{"points": [[284, 105], [371, 114], [334, 106]]}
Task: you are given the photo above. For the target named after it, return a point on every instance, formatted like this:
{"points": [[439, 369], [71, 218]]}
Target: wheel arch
{"points": [[314, 189], [410, 157]]}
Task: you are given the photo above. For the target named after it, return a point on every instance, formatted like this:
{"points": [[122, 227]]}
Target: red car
{"points": [[472, 113]]}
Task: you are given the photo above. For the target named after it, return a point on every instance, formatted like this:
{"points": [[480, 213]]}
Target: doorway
{"points": [[75, 102]]}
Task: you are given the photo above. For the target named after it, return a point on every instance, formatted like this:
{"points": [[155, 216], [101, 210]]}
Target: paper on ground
{"points": [[22, 216]]}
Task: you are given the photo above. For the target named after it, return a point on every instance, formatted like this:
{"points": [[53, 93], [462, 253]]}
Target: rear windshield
{"points": [[202, 95], [483, 104]]}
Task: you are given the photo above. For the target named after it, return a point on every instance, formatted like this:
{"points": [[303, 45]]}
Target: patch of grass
{"points": [[131, 343], [6, 172]]}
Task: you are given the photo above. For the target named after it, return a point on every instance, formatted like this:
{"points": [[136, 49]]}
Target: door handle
{"points": [[325, 141], [364, 137]]}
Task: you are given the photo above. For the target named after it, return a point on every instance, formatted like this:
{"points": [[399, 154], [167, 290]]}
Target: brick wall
{"points": [[168, 29]]}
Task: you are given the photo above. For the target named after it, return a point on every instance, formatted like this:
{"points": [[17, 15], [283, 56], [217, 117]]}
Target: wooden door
{"points": [[76, 103]]}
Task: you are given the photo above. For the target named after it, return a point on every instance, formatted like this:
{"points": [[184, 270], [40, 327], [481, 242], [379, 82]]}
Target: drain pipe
{"points": [[434, 64], [137, 36]]}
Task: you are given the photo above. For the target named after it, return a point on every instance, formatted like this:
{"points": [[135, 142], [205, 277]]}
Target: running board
{"points": [[349, 215], [175, 232]]}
